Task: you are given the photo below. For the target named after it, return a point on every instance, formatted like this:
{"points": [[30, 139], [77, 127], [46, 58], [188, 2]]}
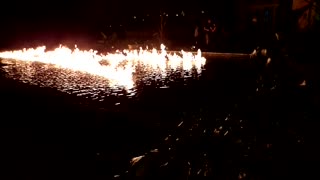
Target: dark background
{"points": [[56, 20], [47, 136]]}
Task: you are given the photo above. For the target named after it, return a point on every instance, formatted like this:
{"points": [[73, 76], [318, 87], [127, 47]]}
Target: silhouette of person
{"points": [[197, 33], [209, 29]]}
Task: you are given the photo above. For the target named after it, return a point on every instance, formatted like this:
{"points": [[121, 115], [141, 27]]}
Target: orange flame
{"points": [[120, 65]]}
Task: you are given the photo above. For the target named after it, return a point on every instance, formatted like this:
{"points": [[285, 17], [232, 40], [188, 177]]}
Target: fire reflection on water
{"points": [[88, 73]]}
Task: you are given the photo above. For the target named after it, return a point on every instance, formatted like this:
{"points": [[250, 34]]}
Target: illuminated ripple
{"points": [[97, 77], [84, 84], [64, 80]]}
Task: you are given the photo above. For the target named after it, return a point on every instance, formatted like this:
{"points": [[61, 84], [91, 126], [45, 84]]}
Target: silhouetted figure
{"points": [[254, 32], [197, 34], [209, 30]]}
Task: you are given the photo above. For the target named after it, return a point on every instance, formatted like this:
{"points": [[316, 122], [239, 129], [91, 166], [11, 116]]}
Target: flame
{"points": [[120, 65]]}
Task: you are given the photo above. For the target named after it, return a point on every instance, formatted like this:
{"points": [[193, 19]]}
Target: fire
{"points": [[119, 66]]}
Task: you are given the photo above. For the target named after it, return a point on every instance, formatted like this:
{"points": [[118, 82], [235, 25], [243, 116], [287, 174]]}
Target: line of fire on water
{"points": [[118, 67]]}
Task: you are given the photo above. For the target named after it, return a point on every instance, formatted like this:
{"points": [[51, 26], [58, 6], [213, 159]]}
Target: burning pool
{"points": [[137, 112]]}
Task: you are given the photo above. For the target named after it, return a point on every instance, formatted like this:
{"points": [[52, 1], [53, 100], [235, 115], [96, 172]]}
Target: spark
{"points": [[136, 159], [303, 83], [226, 133], [180, 124], [268, 61], [154, 150]]}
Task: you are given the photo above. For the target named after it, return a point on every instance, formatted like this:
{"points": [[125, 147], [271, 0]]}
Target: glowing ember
{"points": [[118, 68]]}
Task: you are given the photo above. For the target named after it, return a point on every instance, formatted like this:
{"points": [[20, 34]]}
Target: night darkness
{"points": [[250, 112], [34, 19]]}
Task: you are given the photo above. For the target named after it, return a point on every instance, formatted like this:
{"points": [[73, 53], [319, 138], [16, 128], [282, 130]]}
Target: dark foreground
{"points": [[240, 120]]}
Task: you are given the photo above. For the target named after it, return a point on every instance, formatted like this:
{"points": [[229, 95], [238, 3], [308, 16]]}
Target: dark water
{"points": [[237, 120]]}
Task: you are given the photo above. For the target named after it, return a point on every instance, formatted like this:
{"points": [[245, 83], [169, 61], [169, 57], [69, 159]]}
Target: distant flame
{"points": [[120, 65]]}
